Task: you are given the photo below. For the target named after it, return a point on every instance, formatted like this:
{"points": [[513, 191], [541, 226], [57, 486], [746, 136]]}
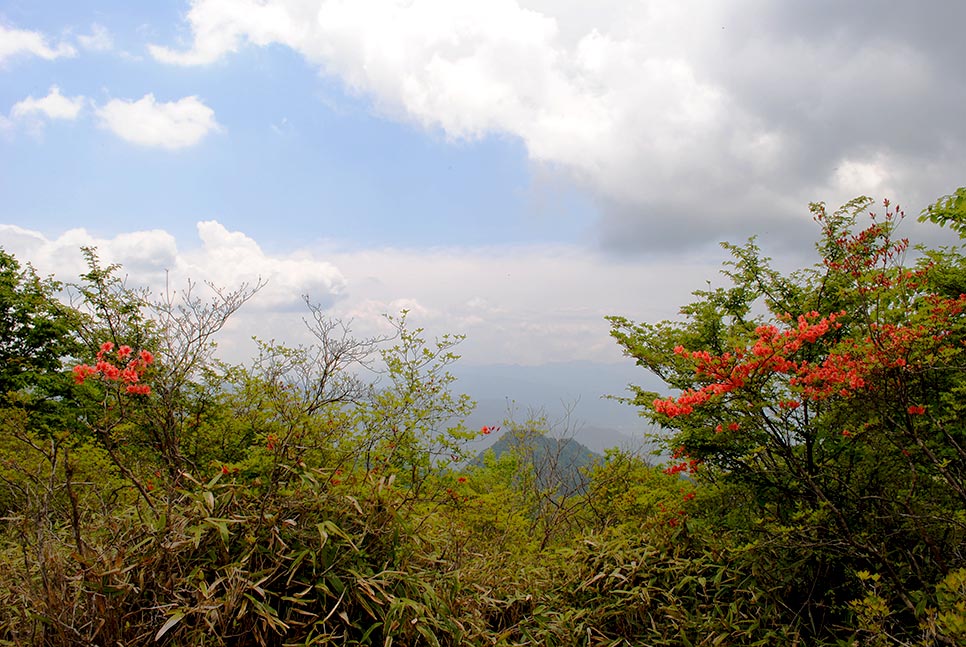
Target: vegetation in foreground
{"points": [[151, 494]]}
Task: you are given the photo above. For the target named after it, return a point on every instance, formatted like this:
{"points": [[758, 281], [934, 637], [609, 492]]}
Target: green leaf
{"points": [[222, 527], [949, 210]]}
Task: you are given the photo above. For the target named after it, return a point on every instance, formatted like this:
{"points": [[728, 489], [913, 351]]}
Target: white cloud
{"points": [[220, 27], [864, 177], [145, 255], [99, 40], [225, 258], [15, 42], [606, 103], [730, 115], [170, 125], [53, 106], [230, 257]]}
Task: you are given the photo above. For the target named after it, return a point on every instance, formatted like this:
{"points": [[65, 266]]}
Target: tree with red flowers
{"points": [[829, 427], [178, 326]]}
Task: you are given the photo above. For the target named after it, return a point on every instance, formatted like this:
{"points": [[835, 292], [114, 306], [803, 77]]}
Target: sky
{"points": [[511, 170]]}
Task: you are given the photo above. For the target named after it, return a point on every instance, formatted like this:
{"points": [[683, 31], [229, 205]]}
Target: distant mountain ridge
{"points": [[559, 464]]}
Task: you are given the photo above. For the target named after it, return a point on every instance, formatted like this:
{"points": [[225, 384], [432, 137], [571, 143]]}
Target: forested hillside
{"points": [[321, 495]]}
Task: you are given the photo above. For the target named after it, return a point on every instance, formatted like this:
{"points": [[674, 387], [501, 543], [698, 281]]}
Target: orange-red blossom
{"points": [[841, 373], [129, 373]]}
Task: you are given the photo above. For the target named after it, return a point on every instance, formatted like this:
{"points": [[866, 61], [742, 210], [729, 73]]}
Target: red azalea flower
{"points": [[82, 372]]}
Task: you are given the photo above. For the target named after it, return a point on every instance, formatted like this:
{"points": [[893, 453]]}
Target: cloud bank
{"points": [[524, 305]]}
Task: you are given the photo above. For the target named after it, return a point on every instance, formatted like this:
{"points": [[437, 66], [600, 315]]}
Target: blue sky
{"points": [[513, 170], [291, 145]]}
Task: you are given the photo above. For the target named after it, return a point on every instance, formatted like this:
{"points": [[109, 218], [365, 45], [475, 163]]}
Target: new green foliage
{"points": [[321, 494]]}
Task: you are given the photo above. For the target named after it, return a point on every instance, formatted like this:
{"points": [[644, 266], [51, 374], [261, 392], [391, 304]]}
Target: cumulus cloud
{"points": [[16, 42], [53, 106], [231, 257], [145, 255], [170, 125], [226, 259], [728, 116]]}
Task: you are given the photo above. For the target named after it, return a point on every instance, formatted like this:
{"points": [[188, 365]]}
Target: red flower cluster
{"points": [[845, 364], [769, 354], [685, 463], [847, 369], [486, 431], [129, 374]]}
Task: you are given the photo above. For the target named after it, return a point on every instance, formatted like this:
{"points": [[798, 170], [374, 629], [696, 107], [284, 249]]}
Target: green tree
{"points": [[36, 335], [178, 328], [822, 411]]}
